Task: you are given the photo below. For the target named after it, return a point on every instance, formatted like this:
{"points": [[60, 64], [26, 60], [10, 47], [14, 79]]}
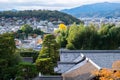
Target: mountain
{"points": [[105, 9], [14, 10], [41, 15]]}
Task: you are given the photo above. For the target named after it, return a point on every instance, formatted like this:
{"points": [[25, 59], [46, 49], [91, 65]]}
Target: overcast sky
{"points": [[46, 4]]}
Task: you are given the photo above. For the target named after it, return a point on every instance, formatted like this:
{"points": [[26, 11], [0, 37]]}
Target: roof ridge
{"points": [[98, 67], [83, 60], [81, 55], [89, 51]]}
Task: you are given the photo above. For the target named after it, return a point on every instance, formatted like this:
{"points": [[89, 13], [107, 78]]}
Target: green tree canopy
{"points": [[41, 15], [45, 65], [89, 37], [62, 38], [26, 28], [107, 40], [8, 58], [50, 48], [81, 37], [27, 71], [49, 51]]}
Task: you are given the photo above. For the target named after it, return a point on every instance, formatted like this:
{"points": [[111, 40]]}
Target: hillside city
{"points": [[14, 24], [99, 21]]}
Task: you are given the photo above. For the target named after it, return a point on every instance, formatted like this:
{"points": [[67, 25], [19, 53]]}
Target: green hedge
{"points": [[27, 71], [30, 54], [45, 65]]}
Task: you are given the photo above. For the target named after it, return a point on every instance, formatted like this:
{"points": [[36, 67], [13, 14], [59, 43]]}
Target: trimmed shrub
{"points": [[45, 65], [27, 70], [70, 46], [33, 54]]}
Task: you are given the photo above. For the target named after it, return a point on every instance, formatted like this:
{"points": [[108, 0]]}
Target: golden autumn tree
{"points": [[108, 74], [116, 64], [62, 26], [62, 36], [116, 68]]}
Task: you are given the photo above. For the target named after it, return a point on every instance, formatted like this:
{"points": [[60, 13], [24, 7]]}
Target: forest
{"points": [[41, 15], [80, 37]]}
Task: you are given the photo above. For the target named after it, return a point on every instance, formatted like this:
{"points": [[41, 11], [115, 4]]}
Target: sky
{"points": [[46, 4]]}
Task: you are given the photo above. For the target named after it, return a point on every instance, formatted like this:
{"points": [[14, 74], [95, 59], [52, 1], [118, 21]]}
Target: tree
{"points": [[41, 15], [27, 71], [27, 29], [73, 35], [81, 37], [105, 36], [50, 48], [8, 57], [62, 26], [19, 34], [70, 46], [108, 74], [114, 34], [62, 35], [49, 53], [38, 32], [45, 65], [116, 65]]}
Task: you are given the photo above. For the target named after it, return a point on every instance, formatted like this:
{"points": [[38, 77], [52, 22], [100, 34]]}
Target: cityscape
{"points": [[14, 24]]}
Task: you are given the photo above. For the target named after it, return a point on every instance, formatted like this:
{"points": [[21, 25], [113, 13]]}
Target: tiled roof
{"points": [[78, 69], [89, 51], [103, 58], [82, 72], [75, 61]]}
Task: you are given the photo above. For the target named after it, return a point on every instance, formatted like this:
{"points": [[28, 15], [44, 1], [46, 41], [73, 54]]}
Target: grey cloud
{"points": [[40, 4], [27, 4]]}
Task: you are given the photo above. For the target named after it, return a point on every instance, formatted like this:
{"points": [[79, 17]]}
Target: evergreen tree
{"points": [[49, 53], [8, 58]]}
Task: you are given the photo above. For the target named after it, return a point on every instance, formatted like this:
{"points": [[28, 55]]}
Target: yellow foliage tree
{"points": [[116, 74], [105, 72], [62, 26], [116, 64], [103, 78], [109, 74]]}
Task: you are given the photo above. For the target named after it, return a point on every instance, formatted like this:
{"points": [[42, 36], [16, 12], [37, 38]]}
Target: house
{"points": [[17, 42], [80, 72], [78, 64]]}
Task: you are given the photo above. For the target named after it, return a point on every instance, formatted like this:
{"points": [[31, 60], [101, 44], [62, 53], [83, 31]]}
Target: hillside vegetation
{"points": [[80, 37], [41, 15]]}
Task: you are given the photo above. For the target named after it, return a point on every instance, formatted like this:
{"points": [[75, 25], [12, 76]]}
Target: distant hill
{"points": [[95, 10], [41, 15], [14, 10]]}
